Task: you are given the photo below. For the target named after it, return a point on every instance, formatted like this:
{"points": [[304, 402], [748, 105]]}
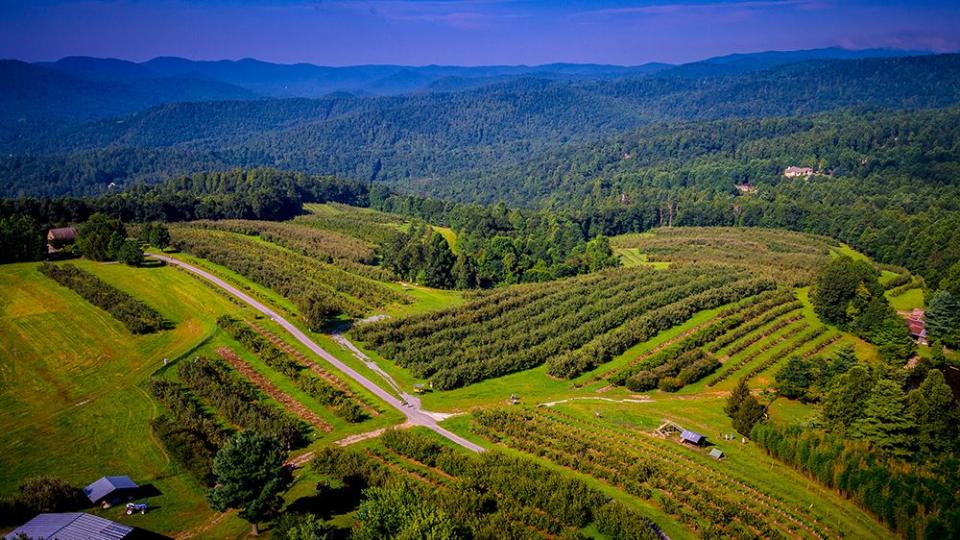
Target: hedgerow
{"points": [[138, 317]]}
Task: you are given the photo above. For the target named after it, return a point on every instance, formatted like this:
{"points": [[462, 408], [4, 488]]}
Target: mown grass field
{"points": [[72, 394]]}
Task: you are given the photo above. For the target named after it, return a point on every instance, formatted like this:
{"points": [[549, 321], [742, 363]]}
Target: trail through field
{"points": [[638, 399], [306, 457], [410, 409]]}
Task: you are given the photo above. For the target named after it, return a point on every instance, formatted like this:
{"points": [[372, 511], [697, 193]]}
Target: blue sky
{"points": [[466, 32]]}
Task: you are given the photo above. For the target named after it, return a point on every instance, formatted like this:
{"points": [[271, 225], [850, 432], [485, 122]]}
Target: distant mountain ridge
{"points": [[432, 139]]}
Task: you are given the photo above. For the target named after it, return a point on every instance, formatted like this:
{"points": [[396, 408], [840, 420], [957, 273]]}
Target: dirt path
{"points": [[411, 410], [281, 397]]}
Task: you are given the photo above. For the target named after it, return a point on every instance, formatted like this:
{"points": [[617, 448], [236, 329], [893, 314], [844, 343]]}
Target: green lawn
{"points": [[72, 398], [908, 301]]}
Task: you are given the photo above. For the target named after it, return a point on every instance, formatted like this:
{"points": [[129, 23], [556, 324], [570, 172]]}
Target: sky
{"points": [[465, 32]]}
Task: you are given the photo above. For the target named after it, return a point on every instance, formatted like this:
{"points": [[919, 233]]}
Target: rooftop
{"points": [[107, 485], [71, 526]]}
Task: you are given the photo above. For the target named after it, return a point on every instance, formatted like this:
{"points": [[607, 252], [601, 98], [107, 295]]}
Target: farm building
{"points": [[71, 526], [692, 437], [57, 239], [110, 489], [917, 326], [716, 454], [796, 172]]}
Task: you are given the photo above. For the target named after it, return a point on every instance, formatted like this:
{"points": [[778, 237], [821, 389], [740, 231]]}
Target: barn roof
{"points": [[107, 485], [71, 526], [62, 233], [692, 436]]}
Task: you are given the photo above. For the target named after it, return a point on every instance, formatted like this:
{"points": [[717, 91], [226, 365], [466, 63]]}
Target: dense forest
{"points": [[430, 140]]}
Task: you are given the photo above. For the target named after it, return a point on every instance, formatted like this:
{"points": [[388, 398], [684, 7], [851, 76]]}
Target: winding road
{"points": [[411, 409]]}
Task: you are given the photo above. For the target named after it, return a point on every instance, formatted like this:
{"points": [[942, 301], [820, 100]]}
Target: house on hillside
{"points": [[692, 437], [71, 526], [796, 172], [917, 326], [110, 490], [57, 239], [745, 188]]}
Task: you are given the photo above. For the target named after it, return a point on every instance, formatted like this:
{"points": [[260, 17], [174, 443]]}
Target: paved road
{"points": [[411, 410]]}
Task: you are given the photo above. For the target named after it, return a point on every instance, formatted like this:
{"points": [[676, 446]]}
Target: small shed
{"points": [[716, 454], [692, 437], [110, 489], [71, 526]]}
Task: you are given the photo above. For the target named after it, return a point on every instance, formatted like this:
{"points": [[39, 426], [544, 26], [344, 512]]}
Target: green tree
{"points": [[794, 380], [886, 422], [844, 287], [317, 309], [130, 253], [937, 416], [20, 239], [748, 414], [49, 494], [739, 393], [951, 281], [296, 526], [942, 318], [439, 263], [397, 511], [100, 237], [250, 475], [844, 403], [158, 235]]}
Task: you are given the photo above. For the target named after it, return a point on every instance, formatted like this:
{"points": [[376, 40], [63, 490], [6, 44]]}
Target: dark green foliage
{"points": [[848, 294], [156, 234], [250, 476], [843, 290], [265, 194], [138, 317], [806, 379], [188, 447], [942, 318], [130, 253], [100, 237], [397, 511], [886, 422], [296, 526], [844, 404], [743, 408], [20, 239], [937, 415], [736, 398], [795, 378], [49, 494], [240, 402], [892, 490]]}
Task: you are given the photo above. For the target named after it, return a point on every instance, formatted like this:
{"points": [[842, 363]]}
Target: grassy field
{"points": [[72, 391]]}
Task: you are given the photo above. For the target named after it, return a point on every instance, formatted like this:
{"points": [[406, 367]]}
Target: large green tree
{"points": [[844, 403], [250, 476], [100, 237], [936, 414], [843, 289], [795, 379], [130, 253], [20, 239], [886, 421], [943, 318], [397, 511]]}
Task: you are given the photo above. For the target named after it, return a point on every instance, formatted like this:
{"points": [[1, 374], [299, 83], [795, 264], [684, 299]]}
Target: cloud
{"points": [[681, 8]]}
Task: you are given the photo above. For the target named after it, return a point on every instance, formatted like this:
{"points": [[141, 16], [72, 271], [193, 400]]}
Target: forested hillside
{"points": [[431, 141]]}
